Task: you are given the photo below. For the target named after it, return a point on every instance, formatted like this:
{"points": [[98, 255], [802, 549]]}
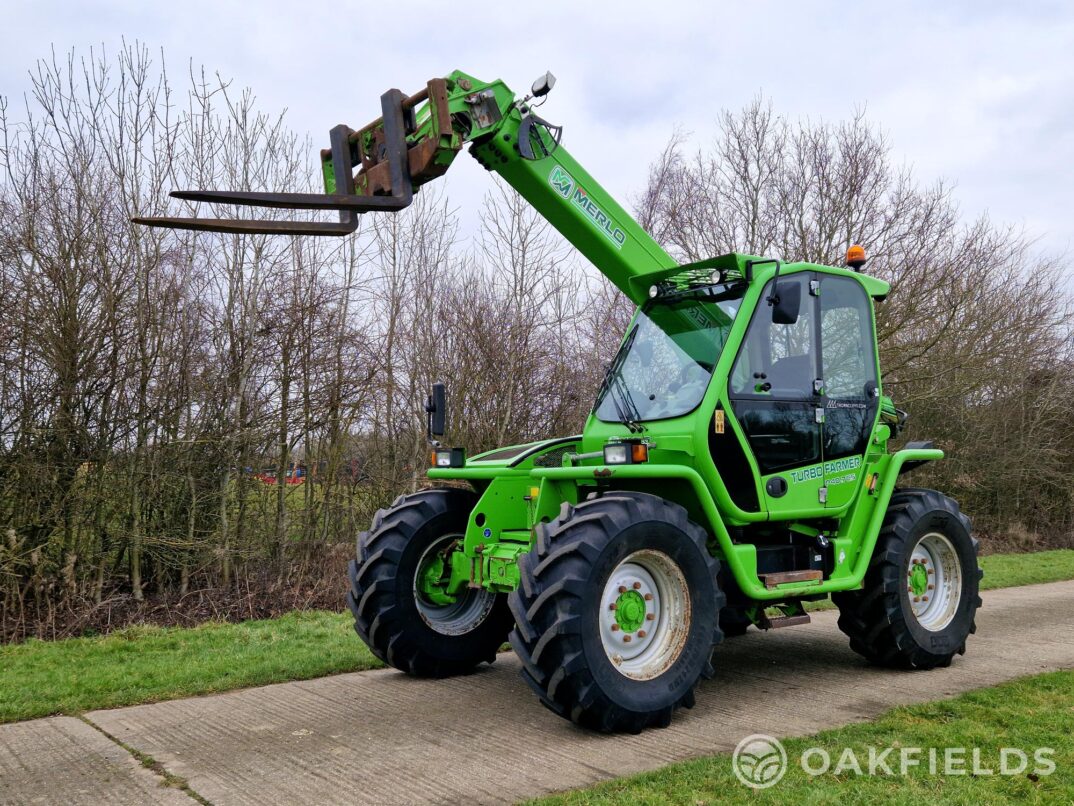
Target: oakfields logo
{"points": [[760, 761], [566, 187]]}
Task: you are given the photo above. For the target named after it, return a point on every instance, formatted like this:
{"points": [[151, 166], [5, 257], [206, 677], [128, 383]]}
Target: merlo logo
{"points": [[566, 187], [561, 181]]}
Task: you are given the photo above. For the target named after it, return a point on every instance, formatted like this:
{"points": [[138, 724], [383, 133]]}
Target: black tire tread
{"points": [[379, 619], [734, 622], [872, 617], [546, 635]]}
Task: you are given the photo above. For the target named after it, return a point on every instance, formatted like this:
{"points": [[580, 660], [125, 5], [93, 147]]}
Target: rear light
{"points": [[449, 457], [626, 453]]}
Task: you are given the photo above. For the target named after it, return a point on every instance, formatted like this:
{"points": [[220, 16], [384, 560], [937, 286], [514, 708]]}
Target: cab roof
{"points": [[745, 266]]}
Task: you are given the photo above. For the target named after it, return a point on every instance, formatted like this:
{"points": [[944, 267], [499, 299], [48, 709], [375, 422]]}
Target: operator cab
{"points": [[802, 387]]}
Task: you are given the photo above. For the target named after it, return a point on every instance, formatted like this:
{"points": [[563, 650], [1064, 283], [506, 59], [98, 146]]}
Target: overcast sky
{"points": [[978, 92]]}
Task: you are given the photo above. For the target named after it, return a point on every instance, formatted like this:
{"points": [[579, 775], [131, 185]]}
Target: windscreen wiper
{"points": [[632, 420], [619, 399], [619, 411]]}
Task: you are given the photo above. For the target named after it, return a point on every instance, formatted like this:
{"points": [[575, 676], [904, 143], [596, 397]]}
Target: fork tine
{"points": [[253, 227], [294, 201], [344, 200]]}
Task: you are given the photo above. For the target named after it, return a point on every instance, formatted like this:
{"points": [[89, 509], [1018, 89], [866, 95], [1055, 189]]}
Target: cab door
{"points": [[776, 398], [850, 383]]}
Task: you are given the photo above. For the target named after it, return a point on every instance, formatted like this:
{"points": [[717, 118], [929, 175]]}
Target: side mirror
{"points": [[786, 302], [437, 410]]}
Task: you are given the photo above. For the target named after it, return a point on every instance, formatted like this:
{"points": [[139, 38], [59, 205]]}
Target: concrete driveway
{"points": [[381, 737]]}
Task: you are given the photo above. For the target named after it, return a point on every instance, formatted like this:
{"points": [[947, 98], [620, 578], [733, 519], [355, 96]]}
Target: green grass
{"points": [[147, 664], [1027, 714], [1011, 570]]}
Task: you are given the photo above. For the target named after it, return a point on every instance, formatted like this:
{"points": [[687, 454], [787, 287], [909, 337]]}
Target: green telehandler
{"points": [[735, 465]]}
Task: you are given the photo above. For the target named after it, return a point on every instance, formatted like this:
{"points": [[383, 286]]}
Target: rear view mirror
{"points": [[437, 409], [786, 301]]}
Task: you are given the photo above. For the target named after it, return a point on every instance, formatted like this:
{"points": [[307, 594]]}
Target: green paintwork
{"points": [[630, 611], [523, 486], [432, 583], [919, 580]]}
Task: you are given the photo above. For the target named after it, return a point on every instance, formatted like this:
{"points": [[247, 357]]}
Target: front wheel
{"points": [[920, 596], [402, 607], [617, 613]]}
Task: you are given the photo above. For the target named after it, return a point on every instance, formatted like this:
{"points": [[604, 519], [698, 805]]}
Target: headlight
{"points": [[626, 453]]}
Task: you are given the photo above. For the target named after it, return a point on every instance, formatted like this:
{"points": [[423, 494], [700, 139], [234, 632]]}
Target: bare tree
{"points": [[973, 311]]}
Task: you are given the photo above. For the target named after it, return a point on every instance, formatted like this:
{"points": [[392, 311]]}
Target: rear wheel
{"points": [[734, 622], [920, 596], [617, 613], [401, 605]]}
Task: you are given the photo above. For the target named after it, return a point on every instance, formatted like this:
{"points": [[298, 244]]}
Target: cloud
{"points": [[977, 92]]}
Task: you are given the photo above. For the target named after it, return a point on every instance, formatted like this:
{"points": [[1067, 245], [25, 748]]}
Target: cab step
{"points": [[775, 622], [784, 614], [787, 577]]}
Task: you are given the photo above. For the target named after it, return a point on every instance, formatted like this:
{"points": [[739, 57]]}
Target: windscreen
{"points": [[665, 363]]}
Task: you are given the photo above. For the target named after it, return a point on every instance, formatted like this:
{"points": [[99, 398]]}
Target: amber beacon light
{"points": [[856, 257]]}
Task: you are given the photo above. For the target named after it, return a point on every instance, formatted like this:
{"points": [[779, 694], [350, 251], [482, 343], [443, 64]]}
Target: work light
{"points": [[449, 457]]}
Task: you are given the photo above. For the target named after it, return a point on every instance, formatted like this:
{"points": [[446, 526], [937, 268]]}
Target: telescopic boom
{"points": [[378, 167]]}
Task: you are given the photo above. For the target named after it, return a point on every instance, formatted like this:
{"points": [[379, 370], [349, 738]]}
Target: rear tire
{"points": [[422, 638], [734, 622], [921, 591], [629, 667]]}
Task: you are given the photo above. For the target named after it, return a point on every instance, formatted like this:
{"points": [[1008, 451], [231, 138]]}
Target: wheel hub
{"points": [[630, 611], [644, 614], [919, 579], [431, 583], [934, 581], [447, 613]]}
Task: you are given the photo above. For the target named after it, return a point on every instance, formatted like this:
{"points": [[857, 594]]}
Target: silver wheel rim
{"points": [[934, 581], [463, 615], [644, 646]]}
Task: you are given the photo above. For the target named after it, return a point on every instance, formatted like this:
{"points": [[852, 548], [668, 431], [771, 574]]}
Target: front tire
{"points": [[617, 613], [921, 591], [422, 636]]}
